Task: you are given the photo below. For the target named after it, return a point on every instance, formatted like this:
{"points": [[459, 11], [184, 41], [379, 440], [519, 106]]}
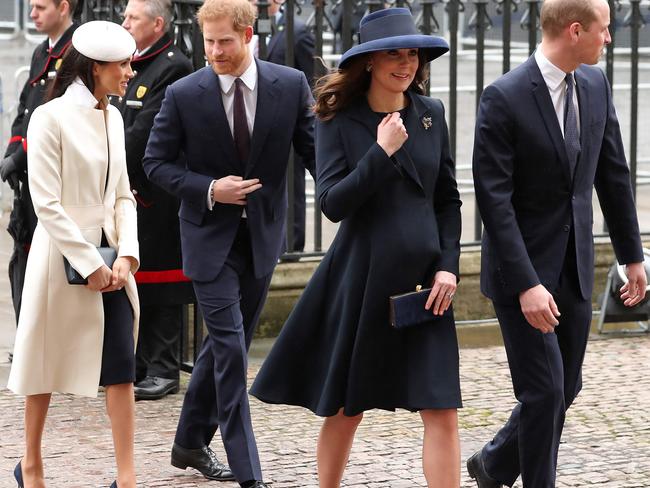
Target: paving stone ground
{"points": [[606, 442]]}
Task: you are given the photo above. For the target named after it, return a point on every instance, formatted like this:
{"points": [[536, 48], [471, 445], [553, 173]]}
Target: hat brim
{"points": [[433, 47]]}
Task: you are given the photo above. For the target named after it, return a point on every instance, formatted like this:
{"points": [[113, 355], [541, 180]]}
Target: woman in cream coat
{"points": [[72, 338]]}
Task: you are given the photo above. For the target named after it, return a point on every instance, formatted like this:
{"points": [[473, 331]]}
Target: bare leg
{"points": [[120, 405], [334, 444], [441, 448], [36, 407]]}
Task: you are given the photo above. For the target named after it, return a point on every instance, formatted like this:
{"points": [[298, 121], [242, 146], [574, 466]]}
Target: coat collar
{"points": [[159, 46], [416, 113]]}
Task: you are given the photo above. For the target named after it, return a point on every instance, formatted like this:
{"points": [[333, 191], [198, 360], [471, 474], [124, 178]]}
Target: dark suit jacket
{"points": [[192, 121], [527, 196], [303, 50], [160, 280]]}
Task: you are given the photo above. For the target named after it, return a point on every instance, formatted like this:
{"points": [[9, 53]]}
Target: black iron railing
{"points": [[486, 38]]}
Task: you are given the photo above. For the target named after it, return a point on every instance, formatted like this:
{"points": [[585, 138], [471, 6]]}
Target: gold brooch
{"points": [[426, 122]]}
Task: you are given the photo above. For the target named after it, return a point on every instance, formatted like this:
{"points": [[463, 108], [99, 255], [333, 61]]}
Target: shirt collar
{"points": [[53, 42], [553, 76], [80, 95], [249, 77], [143, 52]]}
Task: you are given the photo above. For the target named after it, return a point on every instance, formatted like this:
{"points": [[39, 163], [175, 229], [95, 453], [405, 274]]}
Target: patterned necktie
{"points": [[571, 134], [240, 125]]}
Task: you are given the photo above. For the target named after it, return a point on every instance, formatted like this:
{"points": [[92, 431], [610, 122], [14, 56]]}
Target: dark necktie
{"points": [[240, 125], [571, 134]]}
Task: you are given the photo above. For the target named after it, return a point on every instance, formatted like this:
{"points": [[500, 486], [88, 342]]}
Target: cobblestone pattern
{"points": [[606, 441]]}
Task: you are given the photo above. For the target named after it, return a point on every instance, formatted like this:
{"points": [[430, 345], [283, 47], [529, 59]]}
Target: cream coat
{"points": [[61, 329]]}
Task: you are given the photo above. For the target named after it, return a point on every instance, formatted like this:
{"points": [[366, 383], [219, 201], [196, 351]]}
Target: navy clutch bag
{"points": [[407, 309], [108, 254]]}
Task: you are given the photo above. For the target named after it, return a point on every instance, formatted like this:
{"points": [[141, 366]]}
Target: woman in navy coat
{"points": [[385, 172]]}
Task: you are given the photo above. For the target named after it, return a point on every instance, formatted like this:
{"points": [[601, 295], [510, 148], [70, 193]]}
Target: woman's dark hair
{"points": [[73, 65], [338, 89]]}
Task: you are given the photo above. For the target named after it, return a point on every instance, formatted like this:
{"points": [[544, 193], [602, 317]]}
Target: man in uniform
{"points": [[54, 19], [162, 287]]}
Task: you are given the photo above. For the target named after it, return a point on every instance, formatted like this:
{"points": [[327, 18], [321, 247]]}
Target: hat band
{"points": [[386, 27]]}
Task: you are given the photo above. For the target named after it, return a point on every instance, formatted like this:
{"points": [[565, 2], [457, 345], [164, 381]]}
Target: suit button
{"points": [[566, 228], [573, 198]]}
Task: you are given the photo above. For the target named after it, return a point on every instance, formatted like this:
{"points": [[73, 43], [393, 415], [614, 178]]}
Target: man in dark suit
{"points": [[162, 287], [234, 121], [303, 60], [546, 134], [54, 19]]}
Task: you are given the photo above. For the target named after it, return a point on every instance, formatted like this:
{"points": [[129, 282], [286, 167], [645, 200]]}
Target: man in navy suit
{"points": [[546, 134], [234, 121]]}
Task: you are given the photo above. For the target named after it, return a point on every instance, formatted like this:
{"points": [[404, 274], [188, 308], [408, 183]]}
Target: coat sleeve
{"points": [[493, 169], [303, 134], [304, 53], [162, 162], [614, 190], [45, 183], [341, 191], [447, 203], [126, 216]]}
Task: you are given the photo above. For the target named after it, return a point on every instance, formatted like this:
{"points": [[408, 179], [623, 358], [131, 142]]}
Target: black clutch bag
{"points": [[407, 309], [108, 254]]}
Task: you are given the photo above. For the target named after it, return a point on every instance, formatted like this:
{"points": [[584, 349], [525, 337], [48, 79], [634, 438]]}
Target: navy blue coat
{"points": [[400, 223], [192, 122], [527, 196]]}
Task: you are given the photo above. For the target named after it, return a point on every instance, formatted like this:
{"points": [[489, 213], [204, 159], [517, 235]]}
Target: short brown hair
{"points": [[72, 5], [242, 12], [556, 15]]}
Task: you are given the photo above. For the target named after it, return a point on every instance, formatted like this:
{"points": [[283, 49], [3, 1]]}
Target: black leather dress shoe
{"points": [[257, 484], [154, 388], [203, 460], [476, 470], [114, 484]]}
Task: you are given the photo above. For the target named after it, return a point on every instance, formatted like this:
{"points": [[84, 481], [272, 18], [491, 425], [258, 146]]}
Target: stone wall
{"points": [[290, 279]]}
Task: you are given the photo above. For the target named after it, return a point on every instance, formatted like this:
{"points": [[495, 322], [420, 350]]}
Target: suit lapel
{"points": [[268, 96], [216, 122], [585, 116], [545, 105]]}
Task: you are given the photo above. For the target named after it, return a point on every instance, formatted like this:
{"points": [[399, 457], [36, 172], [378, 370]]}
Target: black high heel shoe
{"points": [[18, 474]]}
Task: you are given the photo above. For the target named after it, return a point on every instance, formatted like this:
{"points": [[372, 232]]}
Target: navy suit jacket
{"points": [[527, 195], [192, 122], [303, 51]]}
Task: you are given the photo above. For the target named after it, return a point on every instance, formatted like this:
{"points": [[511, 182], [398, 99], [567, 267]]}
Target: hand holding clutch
{"points": [[407, 309]]}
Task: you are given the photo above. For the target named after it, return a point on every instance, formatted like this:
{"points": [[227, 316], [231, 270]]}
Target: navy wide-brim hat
{"points": [[393, 28]]}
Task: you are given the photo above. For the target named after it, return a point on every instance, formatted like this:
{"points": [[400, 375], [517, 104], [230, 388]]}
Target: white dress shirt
{"points": [[227, 84], [555, 81]]}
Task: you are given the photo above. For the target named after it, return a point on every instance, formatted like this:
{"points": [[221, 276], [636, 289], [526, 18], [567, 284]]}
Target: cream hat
{"points": [[100, 40]]}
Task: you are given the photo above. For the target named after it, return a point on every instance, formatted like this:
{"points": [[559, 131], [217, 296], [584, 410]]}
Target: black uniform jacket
{"points": [[160, 278], [42, 71]]}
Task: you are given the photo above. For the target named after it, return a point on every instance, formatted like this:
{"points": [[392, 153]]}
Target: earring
{"points": [[369, 68]]}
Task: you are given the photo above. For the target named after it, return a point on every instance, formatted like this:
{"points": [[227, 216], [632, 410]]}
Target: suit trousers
{"points": [[217, 394], [546, 372], [158, 352]]}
